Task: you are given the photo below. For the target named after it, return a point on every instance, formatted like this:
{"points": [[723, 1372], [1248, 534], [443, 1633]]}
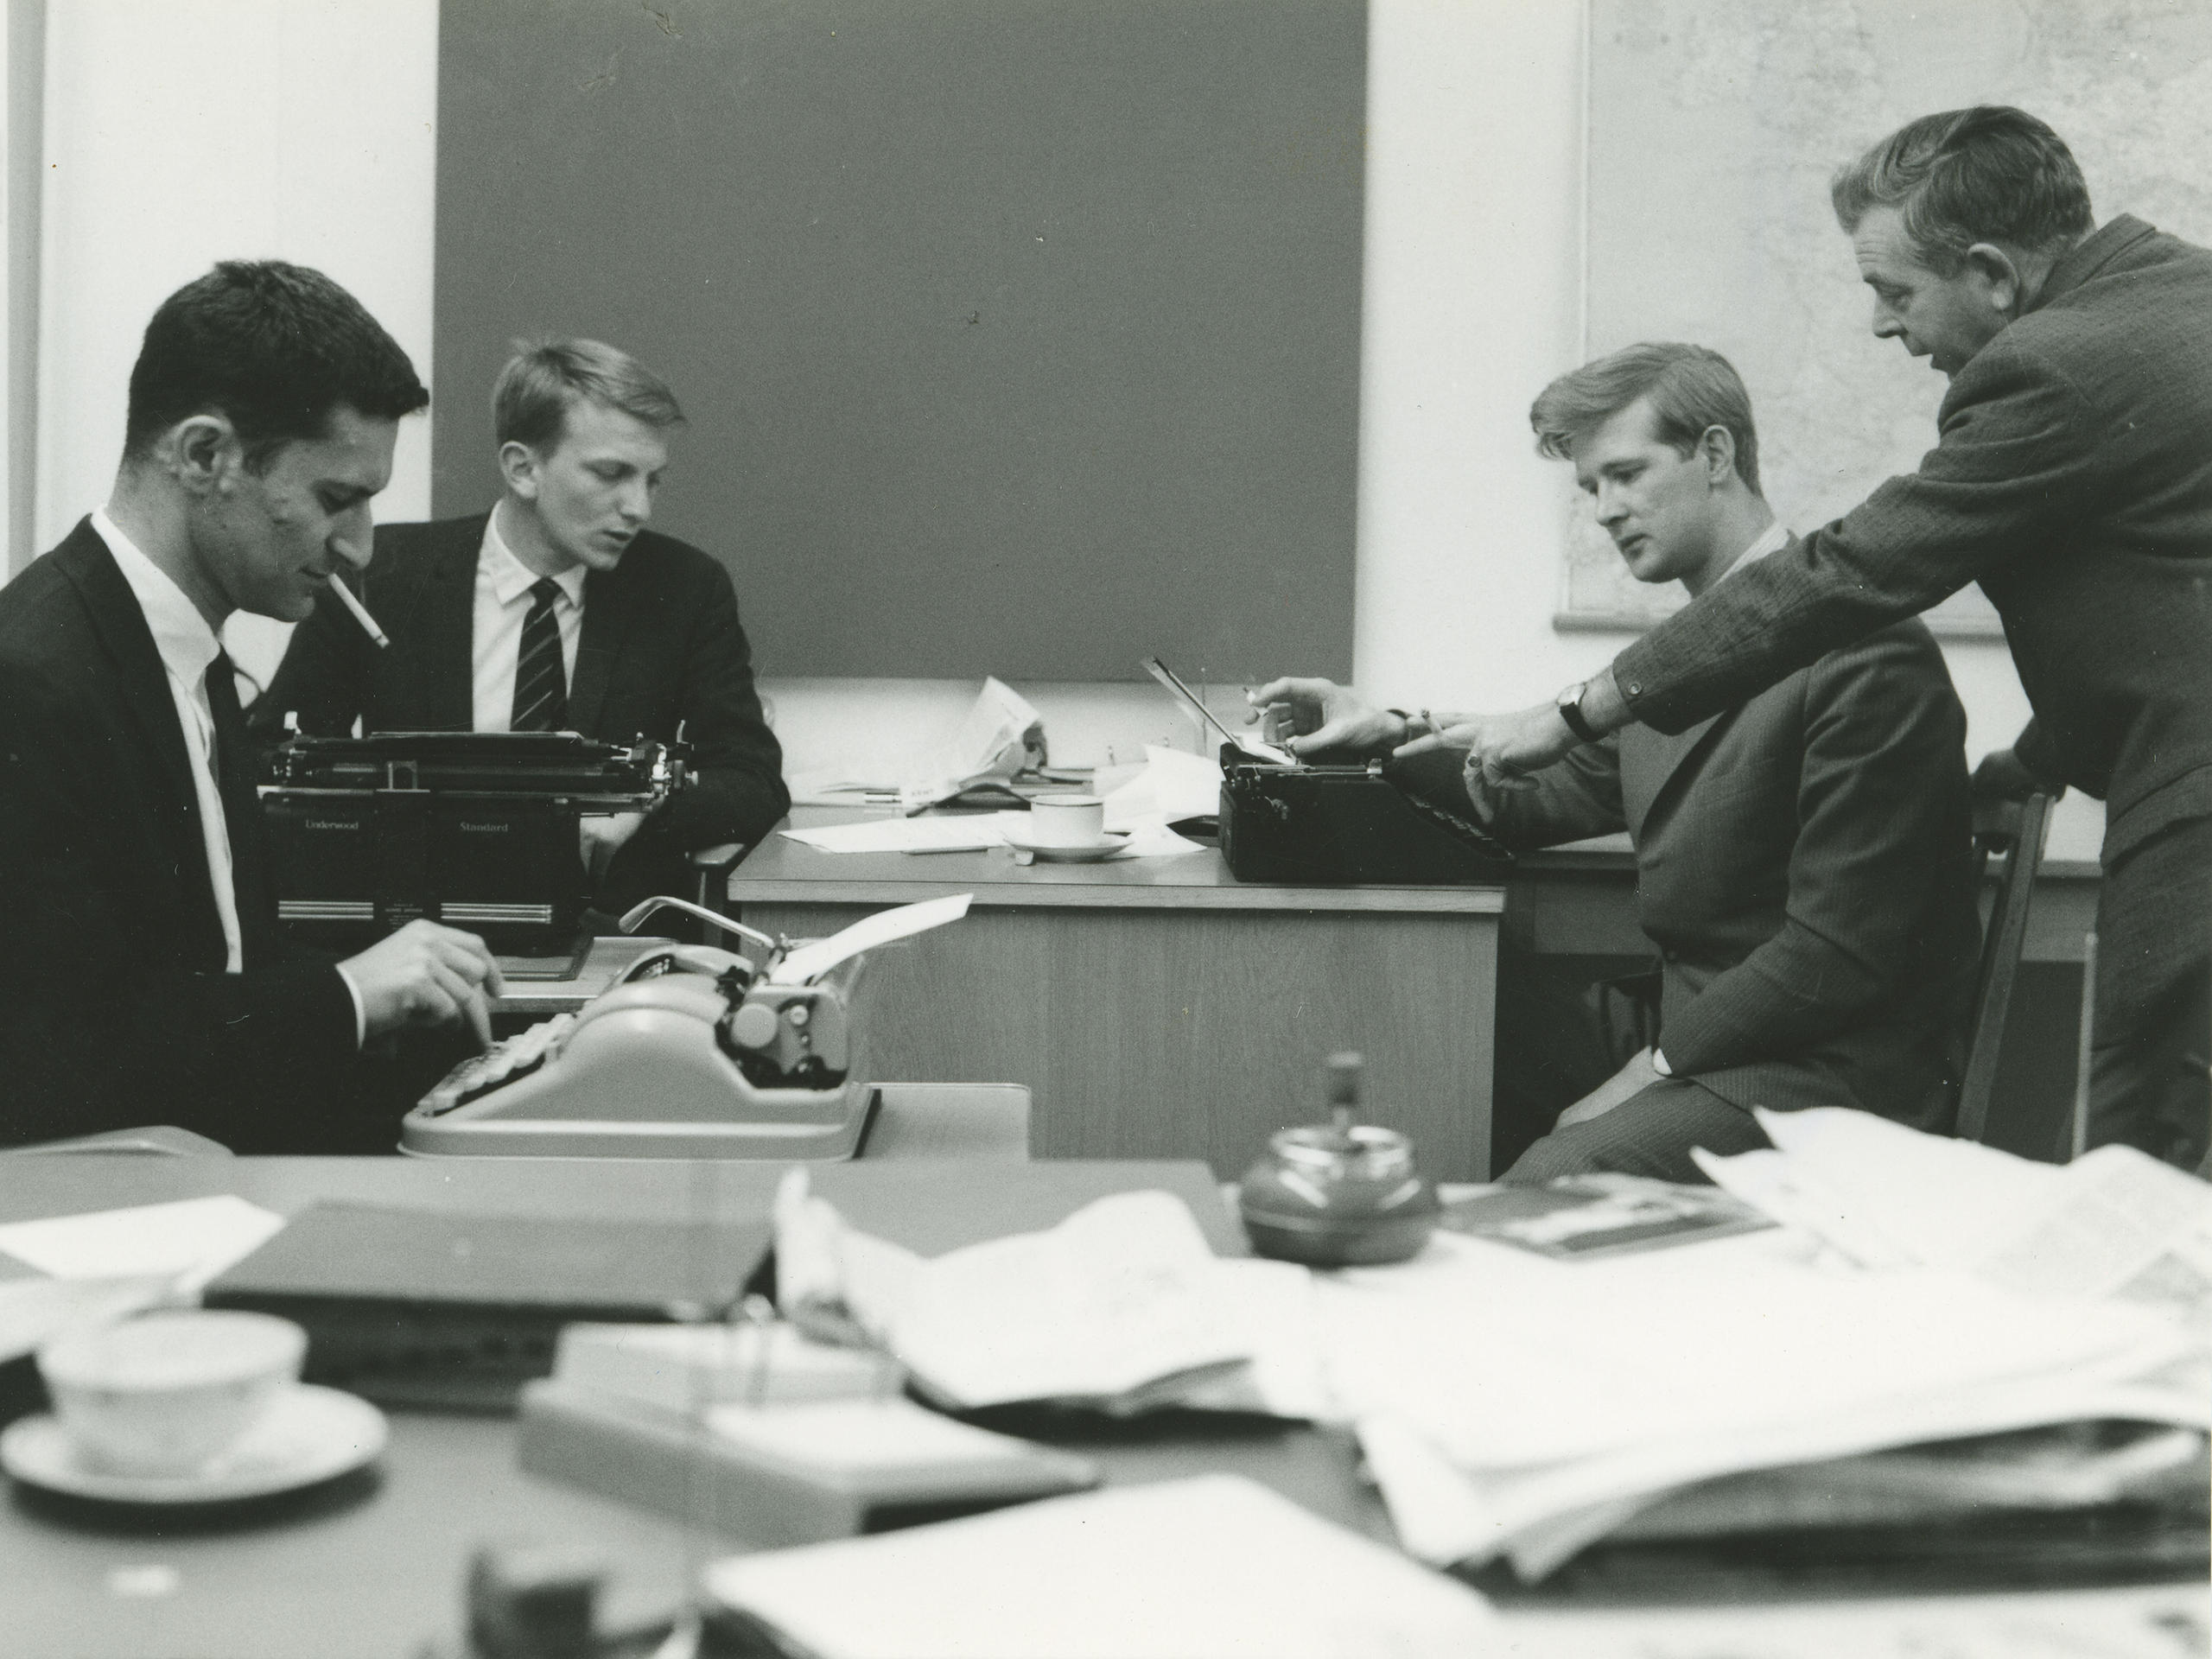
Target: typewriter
{"points": [[1398, 823], [694, 1053], [475, 829]]}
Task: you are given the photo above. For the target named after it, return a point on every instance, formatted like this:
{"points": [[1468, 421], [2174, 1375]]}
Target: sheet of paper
{"points": [[1938, 1200], [2117, 1222], [1511, 1371], [191, 1240], [990, 742], [1119, 1295], [1217, 1564], [973, 832], [1173, 785], [811, 961]]}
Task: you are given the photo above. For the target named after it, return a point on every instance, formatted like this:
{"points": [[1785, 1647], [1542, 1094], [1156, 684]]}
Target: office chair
{"points": [[2016, 829], [710, 869]]}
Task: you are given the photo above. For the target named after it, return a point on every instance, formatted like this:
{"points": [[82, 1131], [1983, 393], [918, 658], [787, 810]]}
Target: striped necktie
{"points": [[541, 683]]}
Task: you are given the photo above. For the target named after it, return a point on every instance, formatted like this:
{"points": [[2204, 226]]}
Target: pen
{"points": [[361, 611]]}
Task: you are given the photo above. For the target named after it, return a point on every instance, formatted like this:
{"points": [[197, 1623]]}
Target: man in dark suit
{"points": [[1803, 859], [560, 611], [2073, 479], [142, 978]]}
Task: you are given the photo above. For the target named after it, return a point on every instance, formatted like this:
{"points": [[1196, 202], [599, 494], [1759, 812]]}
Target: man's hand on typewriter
{"points": [[426, 975], [600, 836], [1502, 749], [1323, 714]]}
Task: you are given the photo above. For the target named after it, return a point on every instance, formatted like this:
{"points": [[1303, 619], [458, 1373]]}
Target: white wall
{"points": [[180, 131]]}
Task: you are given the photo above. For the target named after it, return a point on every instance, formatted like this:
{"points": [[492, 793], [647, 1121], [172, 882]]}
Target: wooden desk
{"points": [[1158, 1008]]}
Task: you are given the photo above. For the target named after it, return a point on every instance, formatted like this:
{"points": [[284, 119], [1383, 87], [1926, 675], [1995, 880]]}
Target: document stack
{"points": [[2003, 1363]]}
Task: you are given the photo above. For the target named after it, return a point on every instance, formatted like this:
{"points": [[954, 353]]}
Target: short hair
{"points": [[1990, 174], [544, 380], [273, 348], [1691, 389]]}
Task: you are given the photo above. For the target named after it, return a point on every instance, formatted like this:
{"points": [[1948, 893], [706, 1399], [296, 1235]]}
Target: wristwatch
{"points": [[1569, 705]]}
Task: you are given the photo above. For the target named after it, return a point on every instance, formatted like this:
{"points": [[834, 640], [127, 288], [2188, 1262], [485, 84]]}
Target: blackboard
{"points": [[1018, 336]]}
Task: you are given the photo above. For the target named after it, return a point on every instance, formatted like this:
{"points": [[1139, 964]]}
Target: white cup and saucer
{"points": [[182, 1405], [1066, 829]]}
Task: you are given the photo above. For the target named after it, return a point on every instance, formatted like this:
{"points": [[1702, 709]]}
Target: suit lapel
{"points": [[444, 629], [609, 609], [143, 687], [1662, 758]]}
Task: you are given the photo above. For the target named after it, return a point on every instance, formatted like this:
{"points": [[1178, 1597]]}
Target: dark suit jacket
{"points": [[114, 1006], [2074, 481], [661, 647], [1803, 864]]}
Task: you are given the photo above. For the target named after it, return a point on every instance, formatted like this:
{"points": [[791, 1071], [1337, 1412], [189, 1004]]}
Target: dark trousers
{"points": [[1651, 1133], [2152, 1041]]}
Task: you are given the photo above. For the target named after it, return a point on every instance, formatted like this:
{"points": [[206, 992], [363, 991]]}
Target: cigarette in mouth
{"points": [[361, 611]]}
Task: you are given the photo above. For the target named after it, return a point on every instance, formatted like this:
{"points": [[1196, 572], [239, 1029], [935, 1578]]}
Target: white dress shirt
{"points": [[188, 647], [503, 585]]}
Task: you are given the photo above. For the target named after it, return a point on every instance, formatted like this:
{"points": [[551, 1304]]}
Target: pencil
{"points": [[361, 611]]}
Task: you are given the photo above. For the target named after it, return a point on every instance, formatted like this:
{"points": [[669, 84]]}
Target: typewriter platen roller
{"points": [[694, 1053]]}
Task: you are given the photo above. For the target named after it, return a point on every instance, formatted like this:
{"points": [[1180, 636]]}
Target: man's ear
{"points": [[1997, 274], [203, 454], [518, 467], [1716, 452]]}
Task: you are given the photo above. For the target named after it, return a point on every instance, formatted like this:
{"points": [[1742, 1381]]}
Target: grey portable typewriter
{"points": [[692, 1053]]}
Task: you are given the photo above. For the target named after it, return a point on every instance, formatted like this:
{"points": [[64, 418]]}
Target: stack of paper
{"points": [[1517, 1407], [1216, 1566], [1121, 1308], [1495, 1429]]}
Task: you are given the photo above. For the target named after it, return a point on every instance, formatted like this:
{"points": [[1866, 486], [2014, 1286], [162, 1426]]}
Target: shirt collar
{"points": [[510, 578], [1776, 538], [187, 644]]}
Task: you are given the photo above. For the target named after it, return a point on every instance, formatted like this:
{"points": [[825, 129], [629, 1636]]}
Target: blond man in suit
{"points": [[1802, 856]]}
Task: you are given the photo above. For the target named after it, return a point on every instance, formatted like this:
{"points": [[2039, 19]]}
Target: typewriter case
{"points": [[476, 831]]}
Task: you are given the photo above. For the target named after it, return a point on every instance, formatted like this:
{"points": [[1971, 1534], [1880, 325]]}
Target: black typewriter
{"points": [[478, 829], [1401, 822], [1340, 821]]}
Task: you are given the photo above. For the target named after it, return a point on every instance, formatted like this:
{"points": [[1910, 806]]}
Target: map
{"points": [[1714, 126]]}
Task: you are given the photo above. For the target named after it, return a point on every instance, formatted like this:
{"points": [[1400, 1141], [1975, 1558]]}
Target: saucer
{"points": [[1089, 852], [309, 1434]]}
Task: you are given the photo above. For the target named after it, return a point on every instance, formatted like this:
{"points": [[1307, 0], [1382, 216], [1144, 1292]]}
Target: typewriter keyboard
{"points": [[505, 1061]]}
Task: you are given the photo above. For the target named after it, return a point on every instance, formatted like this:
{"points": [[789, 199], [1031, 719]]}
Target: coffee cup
{"points": [[167, 1392], [1067, 820]]}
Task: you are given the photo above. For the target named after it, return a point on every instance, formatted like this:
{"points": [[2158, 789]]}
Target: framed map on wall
{"points": [[1713, 128]]}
